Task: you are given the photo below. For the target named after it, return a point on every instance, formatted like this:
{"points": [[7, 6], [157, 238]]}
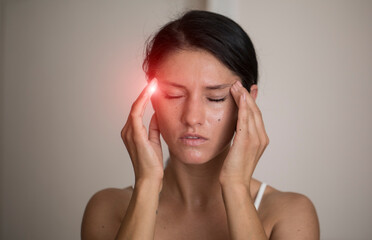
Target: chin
{"points": [[197, 157], [193, 157]]}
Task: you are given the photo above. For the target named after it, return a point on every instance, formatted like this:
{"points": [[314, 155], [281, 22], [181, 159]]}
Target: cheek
{"points": [[222, 127], [223, 124], [224, 116], [167, 115]]}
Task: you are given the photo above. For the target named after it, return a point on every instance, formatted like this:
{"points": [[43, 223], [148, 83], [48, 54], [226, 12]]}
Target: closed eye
{"points": [[217, 100], [171, 97], [210, 99]]}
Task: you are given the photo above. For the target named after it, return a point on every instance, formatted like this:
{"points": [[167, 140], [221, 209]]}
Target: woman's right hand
{"points": [[144, 149]]}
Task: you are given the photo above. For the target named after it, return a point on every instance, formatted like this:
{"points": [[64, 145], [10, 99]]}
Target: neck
{"points": [[194, 186]]}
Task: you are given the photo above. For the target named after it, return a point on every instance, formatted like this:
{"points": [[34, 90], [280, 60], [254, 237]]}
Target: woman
{"points": [[204, 68]]}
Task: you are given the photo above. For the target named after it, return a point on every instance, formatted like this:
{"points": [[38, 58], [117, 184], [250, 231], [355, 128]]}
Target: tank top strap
{"points": [[259, 195]]}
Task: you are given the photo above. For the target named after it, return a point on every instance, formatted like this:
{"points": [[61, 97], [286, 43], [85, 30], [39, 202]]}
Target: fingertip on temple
{"points": [[153, 86]]}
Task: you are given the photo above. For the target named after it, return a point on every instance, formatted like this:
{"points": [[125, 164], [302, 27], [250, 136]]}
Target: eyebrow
{"points": [[212, 87], [221, 86]]}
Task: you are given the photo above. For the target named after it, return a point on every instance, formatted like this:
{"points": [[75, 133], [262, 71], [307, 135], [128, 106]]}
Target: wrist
{"points": [[149, 183], [235, 188], [234, 182]]}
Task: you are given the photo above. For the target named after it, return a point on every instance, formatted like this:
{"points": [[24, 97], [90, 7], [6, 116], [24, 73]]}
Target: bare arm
{"points": [[140, 218], [298, 221], [297, 217], [147, 160], [249, 143], [242, 217]]}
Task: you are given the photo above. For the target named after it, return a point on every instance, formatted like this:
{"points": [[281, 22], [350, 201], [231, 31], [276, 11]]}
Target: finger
{"points": [[264, 140], [235, 93], [130, 145], [154, 132], [246, 139], [250, 118], [257, 113], [139, 106], [246, 123]]}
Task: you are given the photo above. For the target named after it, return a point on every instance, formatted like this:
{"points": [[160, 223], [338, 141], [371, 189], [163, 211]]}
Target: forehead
{"points": [[194, 67]]}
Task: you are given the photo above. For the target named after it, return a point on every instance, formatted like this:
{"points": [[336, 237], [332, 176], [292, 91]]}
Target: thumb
{"points": [[154, 132]]}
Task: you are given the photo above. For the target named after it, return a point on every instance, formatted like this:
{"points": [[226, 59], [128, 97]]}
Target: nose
{"points": [[193, 112]]}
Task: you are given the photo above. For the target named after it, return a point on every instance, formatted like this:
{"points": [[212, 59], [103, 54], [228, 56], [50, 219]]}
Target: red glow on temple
{"points": [[153, 86]]}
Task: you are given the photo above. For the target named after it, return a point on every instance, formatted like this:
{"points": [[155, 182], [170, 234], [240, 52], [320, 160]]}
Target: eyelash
{"points": [[210, 99]]}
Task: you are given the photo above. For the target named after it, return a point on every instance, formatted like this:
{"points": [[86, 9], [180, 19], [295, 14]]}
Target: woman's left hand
{"points": [[249, 143]]}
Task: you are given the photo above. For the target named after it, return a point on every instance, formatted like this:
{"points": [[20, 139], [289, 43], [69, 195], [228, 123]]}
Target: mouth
{"points": [[193, 139]]}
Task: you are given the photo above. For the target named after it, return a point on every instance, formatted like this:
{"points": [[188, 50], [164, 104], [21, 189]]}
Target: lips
{"points": [[191, 139]]}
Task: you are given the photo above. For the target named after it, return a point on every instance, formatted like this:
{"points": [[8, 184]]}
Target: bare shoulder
{"points": [[293, 214], [104, 212]]}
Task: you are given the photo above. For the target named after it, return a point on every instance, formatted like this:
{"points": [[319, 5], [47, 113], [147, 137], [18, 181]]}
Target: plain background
{"points": [[70, 71]]}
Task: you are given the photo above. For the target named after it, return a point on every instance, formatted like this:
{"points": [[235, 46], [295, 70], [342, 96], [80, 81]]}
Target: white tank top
{"points": [[259, 195]]}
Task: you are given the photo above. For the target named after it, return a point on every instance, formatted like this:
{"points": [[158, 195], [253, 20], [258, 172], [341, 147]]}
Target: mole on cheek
{"points": [[219, 119]]}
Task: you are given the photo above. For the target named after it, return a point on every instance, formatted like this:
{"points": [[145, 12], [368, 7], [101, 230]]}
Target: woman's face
{"points": [[196, 113]]}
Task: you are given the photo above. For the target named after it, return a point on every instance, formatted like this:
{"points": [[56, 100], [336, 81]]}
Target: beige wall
{"points": [[1, 114], [71, 70], [316, 83]]}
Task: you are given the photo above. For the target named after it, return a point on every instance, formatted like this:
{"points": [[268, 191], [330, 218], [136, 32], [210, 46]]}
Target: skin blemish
{"points": [[219, 119], [240, 129]]}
